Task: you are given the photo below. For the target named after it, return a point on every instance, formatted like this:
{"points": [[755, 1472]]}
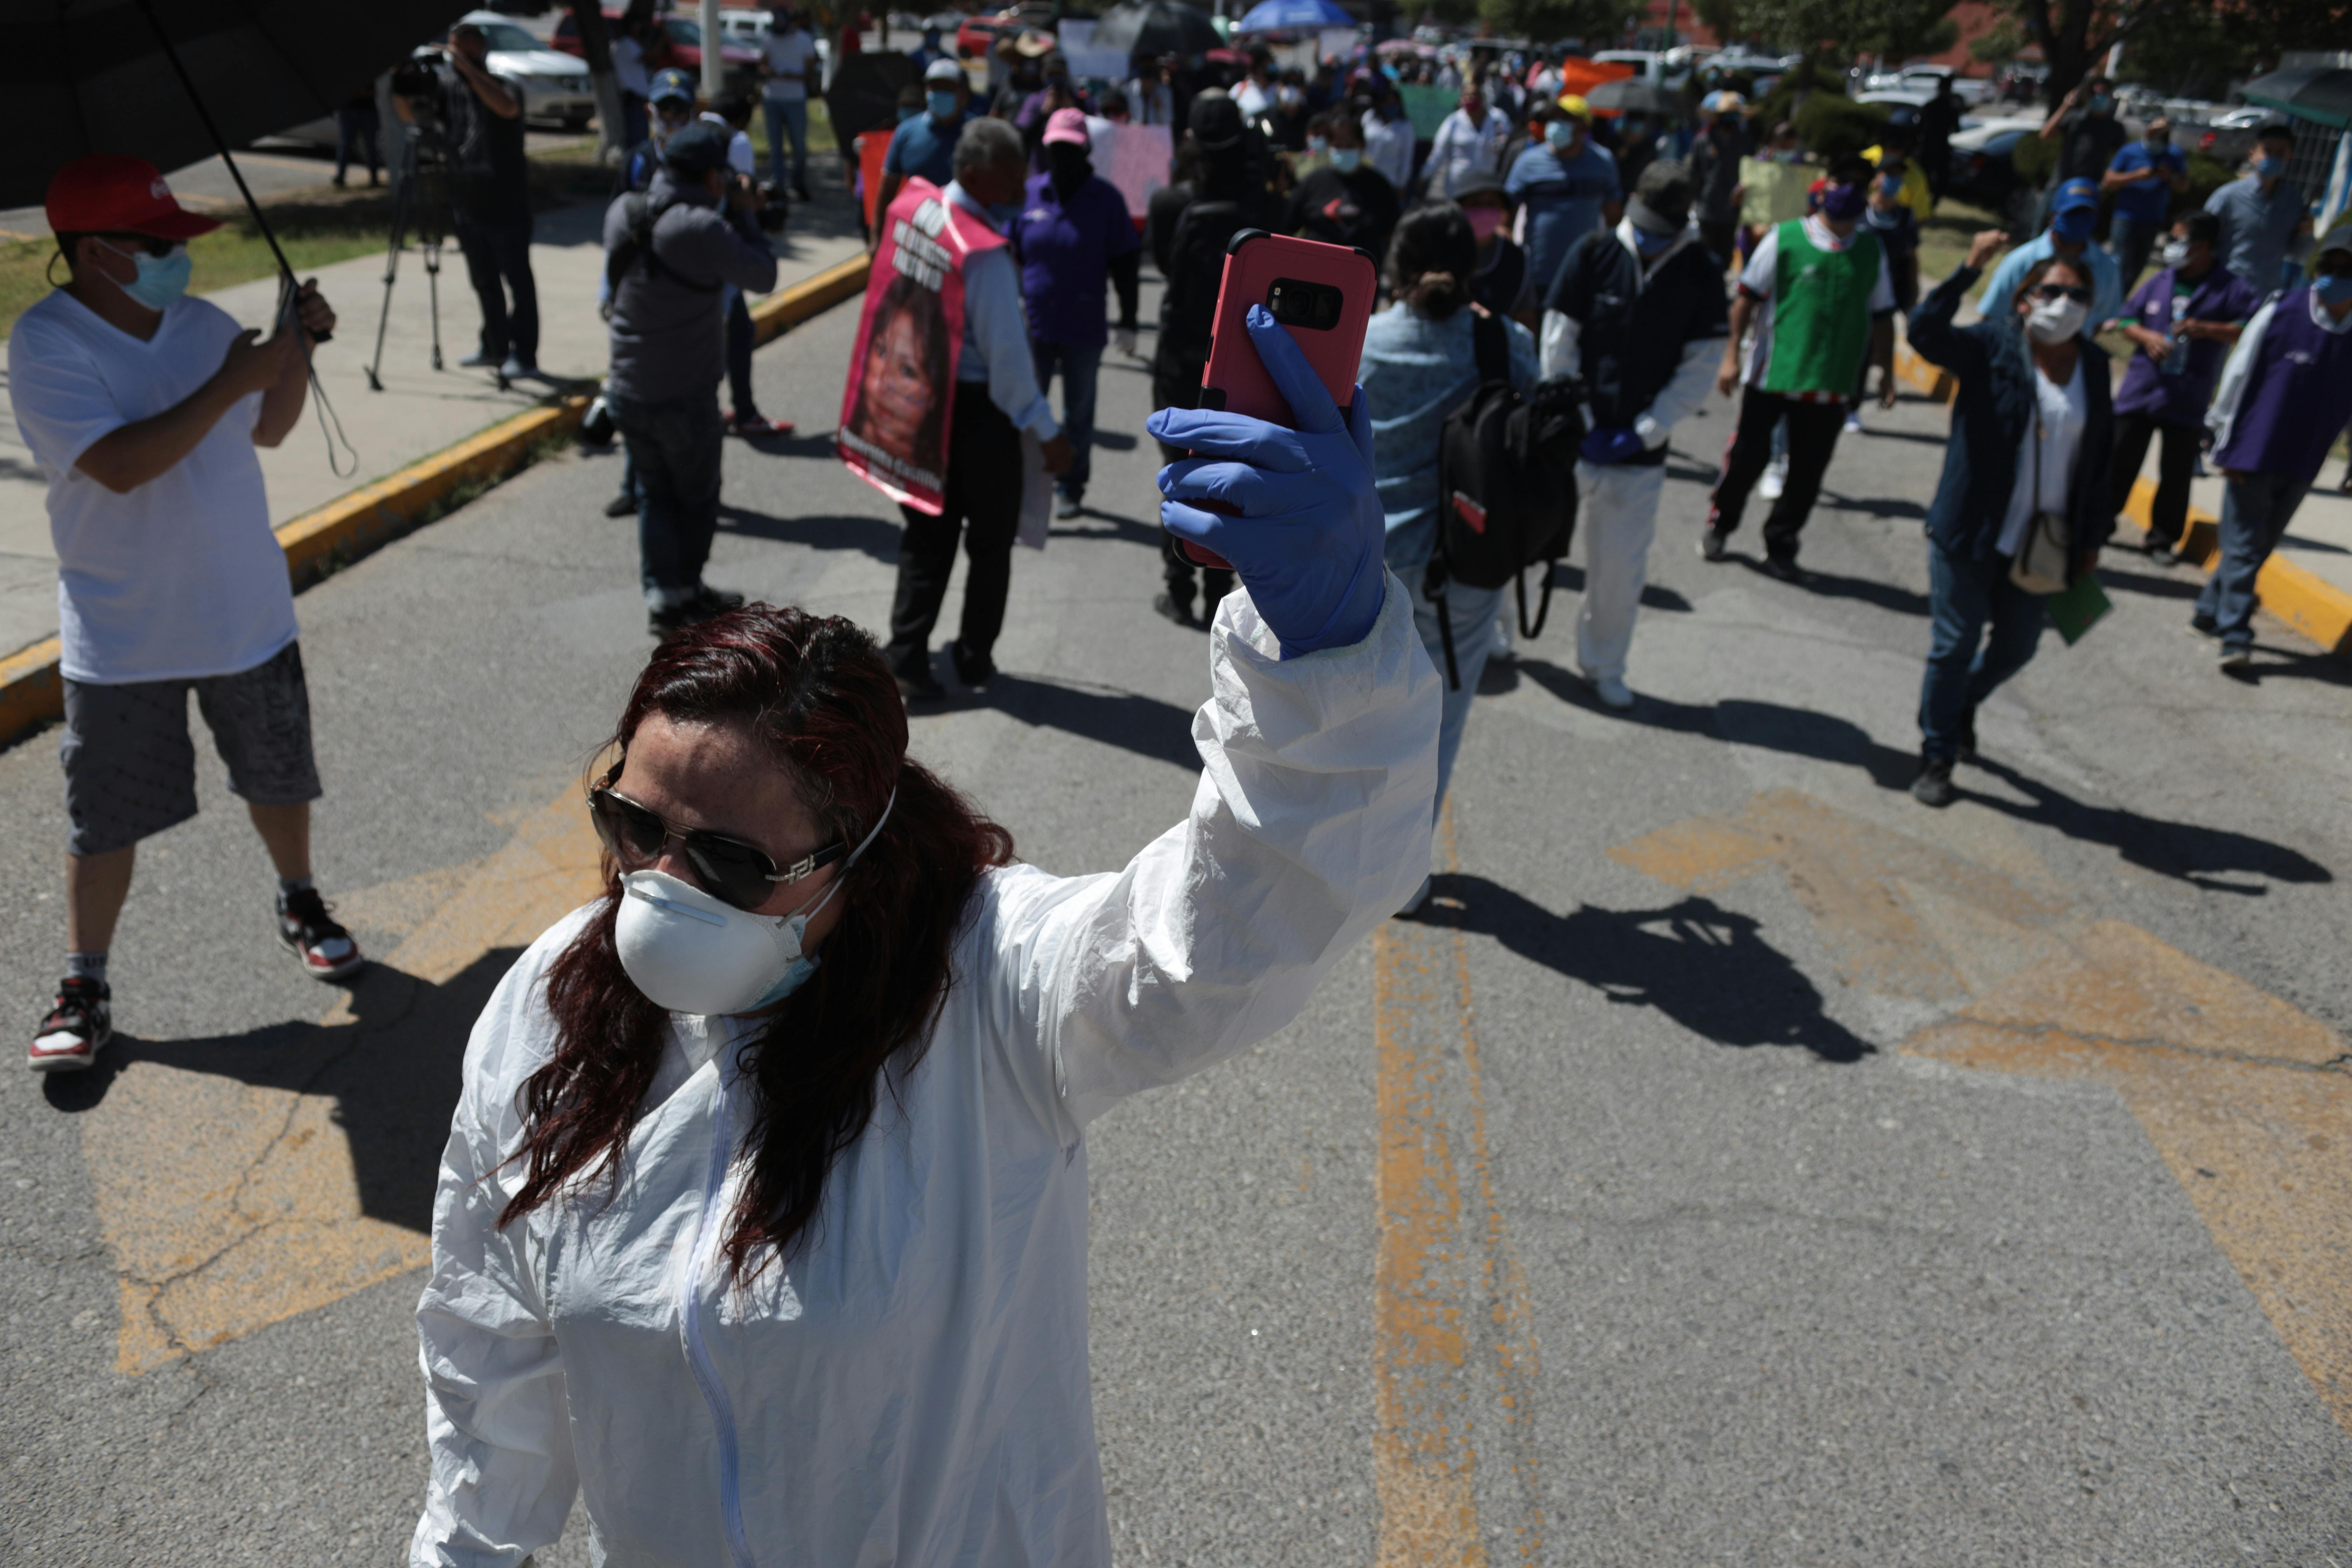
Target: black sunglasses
{"points": [[2061, 291], [158, 248], [728, 868]]}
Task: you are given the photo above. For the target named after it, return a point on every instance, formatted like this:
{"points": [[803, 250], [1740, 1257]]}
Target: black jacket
{"points": [[1990, 414], [1633, 331]]}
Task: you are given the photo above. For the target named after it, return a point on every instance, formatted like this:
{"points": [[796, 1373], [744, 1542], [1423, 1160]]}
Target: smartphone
{"points": [[1322, 293]]}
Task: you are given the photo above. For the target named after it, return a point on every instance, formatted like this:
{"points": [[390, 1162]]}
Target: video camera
{"points": [[419, 75]]}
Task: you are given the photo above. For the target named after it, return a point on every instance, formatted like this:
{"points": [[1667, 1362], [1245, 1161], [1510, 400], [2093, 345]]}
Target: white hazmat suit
{"points": [[911, 1387]]}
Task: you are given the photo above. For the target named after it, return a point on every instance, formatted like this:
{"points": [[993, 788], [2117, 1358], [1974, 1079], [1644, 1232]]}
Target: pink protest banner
{"points": [[895, 410], [1139, 164]]}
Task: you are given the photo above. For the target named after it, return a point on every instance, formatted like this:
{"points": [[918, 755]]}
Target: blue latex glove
{"points": [[1606, 446], [1303, 525]]}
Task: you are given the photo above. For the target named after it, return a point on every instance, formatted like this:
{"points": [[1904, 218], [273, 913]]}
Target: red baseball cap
{"points": [[1065, 125], [106, 193]]}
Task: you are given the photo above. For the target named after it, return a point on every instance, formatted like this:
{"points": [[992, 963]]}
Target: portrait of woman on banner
{"points": [[900, 409]]}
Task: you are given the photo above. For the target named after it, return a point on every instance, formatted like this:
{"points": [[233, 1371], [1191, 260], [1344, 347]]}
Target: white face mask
{"points": [[690, 953], [2055, 320], [2174, 252]]}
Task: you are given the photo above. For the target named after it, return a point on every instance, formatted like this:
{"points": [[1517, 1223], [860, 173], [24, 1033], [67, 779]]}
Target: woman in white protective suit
{"points": [[762, 1224]]}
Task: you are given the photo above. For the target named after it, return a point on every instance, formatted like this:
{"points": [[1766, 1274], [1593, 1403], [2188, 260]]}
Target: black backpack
{"points": [[635, 245], [1506, 486]]}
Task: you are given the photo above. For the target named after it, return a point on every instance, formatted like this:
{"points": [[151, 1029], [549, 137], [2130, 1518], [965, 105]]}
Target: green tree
{"points": [[1840, 30], [2197, 51], [1598, 22]]}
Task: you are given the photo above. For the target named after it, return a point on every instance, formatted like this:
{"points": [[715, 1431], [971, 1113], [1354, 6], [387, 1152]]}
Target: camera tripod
{"points": [[422, 204]]}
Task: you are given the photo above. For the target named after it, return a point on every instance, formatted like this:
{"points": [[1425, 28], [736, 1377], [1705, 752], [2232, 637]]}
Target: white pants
{"points": [[1618, 518]]}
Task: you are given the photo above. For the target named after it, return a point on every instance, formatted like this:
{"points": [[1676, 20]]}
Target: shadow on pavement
{"points": [[394, 1072], [2188, 850], [1705, 967], [1830, 585], [1133, 530], [1799, 731], [873, 536], [2156, 584], [1144, 725], [1569, 579]]}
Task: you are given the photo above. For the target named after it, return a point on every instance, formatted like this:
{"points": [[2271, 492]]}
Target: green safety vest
{"points": [[1821, 312]]}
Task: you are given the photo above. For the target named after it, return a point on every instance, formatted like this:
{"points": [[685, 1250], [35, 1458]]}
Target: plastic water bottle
{"points": [[2177, 362]]}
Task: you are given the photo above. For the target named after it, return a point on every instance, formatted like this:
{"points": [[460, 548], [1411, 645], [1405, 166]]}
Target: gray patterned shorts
{"points": [[131, 768]]}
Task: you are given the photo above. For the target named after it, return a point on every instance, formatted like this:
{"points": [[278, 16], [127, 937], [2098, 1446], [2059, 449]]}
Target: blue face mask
{"points": [[2270, 168], [161, 279], [1317, 146], [1347, 160], [1560, 134], [943, 103], [2100, 103], [2333, 289], [1649, 244]]}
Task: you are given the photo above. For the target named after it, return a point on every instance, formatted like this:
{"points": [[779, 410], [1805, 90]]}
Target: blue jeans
{"points": [[2129, 239], [1966, 595], [2255, 510], [1080, 370], [787, 117], [1473, 612], [355, 131], [674, 449]]}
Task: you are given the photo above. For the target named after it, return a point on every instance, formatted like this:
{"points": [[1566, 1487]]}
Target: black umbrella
{"points": [[173, 82], [1157, 28], [1628, 95], [865, 93]]}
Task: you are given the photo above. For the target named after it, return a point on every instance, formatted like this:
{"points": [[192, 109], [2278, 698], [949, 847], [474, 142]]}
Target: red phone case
{"points": [[1234, 378]]}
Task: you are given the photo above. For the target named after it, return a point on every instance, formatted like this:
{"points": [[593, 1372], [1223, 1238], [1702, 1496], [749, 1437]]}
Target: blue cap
{"points": [[670, 85], [2074, 194]]}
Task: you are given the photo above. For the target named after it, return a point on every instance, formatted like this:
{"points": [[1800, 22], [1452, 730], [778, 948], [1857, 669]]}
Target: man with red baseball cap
{"points": [[144, 407]]}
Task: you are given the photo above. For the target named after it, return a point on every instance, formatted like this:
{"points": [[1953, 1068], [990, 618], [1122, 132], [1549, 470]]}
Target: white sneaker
{"points": [[1775, 479], [1613, 693], [1853, 422]]}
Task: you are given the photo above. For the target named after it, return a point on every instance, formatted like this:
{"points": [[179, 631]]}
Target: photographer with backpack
{"points": [[1420, 364], [1639, 312], [670, 251]]}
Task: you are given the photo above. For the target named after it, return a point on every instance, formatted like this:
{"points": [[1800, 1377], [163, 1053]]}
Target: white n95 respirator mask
{"points": [[691, 952]]}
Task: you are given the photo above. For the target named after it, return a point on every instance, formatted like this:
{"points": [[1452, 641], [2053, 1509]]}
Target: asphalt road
{"points": [[1739, 1164]]}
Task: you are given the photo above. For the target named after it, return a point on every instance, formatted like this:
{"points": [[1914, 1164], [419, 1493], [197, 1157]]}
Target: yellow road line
{"points": [[2247, 1099], [1454, 1347]]}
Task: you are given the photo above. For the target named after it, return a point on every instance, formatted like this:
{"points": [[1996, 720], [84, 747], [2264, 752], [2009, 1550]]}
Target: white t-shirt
{"points": [[789, 54], [629, 65], [181, 578], [2062, 412], [1759, 278]]}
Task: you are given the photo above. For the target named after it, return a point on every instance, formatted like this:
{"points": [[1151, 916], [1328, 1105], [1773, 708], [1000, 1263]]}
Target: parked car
{"points": [[978, 35], [2229, 137], [741, 61]]}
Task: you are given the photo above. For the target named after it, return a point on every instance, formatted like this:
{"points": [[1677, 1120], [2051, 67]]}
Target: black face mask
{"points": [[1068, 167]]}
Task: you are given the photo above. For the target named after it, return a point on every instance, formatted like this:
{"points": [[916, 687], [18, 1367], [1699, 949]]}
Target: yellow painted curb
{"points": [[2310, 604], [320, 542], [787, 309]]}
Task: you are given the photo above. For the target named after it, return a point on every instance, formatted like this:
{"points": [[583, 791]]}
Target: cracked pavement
{"points": [[1739, 1164]]}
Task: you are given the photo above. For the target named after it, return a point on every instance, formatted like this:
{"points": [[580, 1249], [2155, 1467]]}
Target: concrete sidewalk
{"points": [[420, 411]]}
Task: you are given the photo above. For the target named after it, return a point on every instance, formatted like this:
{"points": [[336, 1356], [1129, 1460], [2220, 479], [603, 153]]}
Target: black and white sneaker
{"points": [[1711, 543], [310, 934], [77, 1028]]}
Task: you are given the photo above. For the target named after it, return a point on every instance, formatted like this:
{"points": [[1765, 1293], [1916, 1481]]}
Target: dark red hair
{"points": [[815, 691]]}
